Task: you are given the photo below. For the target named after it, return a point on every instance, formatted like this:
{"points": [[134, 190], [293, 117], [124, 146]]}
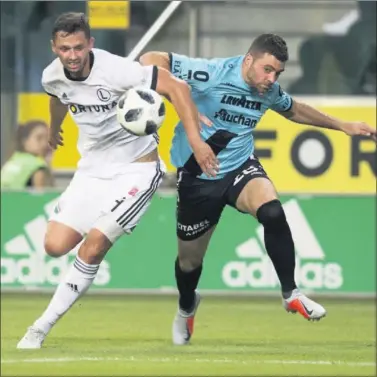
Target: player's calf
{"points": [[76, 282], [94, 248]]}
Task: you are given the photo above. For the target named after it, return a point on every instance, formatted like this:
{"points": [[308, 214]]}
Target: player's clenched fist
{"points": [[206, 159], [55, 138]]}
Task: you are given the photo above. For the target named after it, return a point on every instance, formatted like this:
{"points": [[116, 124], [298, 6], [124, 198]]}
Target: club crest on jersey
{"points": [[77, 109], [133, 191], [103, 94]]}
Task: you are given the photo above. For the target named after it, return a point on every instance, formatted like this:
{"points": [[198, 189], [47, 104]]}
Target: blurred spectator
{"points": [[28, 167], [341, 61]]}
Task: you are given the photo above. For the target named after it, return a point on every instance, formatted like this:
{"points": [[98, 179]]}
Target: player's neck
{"points": [[86, 70]]}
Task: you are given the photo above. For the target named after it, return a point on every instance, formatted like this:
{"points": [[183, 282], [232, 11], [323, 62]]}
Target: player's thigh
{"points": [[60, 239], [257, 192], [199, 207], [79, 205], [251, 188], [128, 198]]}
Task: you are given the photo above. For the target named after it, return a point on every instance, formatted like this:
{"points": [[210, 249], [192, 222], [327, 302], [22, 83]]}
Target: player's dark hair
{"points": [[24, 131], [271, 44], [71, 23]]}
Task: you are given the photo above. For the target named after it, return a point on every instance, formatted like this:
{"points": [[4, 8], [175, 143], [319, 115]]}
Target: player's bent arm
{"points": [[158, 58], [58, 112], [179, 94]]}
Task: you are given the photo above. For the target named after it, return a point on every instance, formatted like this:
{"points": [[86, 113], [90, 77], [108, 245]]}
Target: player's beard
{"points": [[254, 82], [80, 72]]}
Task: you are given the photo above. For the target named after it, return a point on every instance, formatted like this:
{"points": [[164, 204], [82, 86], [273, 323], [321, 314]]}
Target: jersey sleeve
{"points": [[282, 101], [47, 85], [198, 73], [129, 74]]}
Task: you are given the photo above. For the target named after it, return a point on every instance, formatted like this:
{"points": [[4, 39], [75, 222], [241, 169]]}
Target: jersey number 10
{"points": [[198, 75]]}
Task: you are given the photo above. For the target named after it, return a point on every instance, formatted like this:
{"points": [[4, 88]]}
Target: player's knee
{"points": [[271, 215], [189, 258], [188, 264], [56, 247], [94, 248]]}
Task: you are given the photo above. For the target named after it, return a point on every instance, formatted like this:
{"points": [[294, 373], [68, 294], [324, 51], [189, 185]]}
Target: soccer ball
{"points": [[141, 111]]}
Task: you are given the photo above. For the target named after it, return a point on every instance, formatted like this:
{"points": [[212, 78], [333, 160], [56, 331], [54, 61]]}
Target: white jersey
{"points": [[105, 147]]}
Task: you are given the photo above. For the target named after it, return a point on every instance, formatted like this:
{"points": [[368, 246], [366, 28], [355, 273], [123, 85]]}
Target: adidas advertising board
{"points": [[25, 261], [254, 268], [334, 237]]}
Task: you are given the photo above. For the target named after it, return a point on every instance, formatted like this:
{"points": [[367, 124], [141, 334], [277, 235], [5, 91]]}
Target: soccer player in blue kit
{"points": [[233, 94]]}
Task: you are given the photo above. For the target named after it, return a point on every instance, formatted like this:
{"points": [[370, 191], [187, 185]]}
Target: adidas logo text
{"points": [[254, 268]]}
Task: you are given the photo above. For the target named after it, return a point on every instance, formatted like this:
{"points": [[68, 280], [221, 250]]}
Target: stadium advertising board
{"points": [[299, 159], [329, 242], [109, 14]]}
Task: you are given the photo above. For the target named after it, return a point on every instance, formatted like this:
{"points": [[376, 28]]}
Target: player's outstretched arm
{"points": [[305, 114], [58, 112]]}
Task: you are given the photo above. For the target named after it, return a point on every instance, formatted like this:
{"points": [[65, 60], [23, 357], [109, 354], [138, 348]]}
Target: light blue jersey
{"points": [[221, 94]]}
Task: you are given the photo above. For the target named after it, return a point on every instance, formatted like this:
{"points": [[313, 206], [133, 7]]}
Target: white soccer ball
{"points": [[141, 111]]}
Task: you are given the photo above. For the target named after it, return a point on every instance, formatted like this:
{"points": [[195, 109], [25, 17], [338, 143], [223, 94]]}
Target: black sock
{"points": [[279, 244], [187, 283]]}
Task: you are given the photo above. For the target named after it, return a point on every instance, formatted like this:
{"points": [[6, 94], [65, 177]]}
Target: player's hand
{"points": [[55, 138], [206, 159], [359, 128]]}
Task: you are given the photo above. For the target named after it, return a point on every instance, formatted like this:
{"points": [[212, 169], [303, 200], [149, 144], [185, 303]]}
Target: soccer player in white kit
{"points": [[118, 173]]}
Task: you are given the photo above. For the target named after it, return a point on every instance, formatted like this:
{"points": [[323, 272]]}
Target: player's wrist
{"points": [[341, 126], [194, 140]]}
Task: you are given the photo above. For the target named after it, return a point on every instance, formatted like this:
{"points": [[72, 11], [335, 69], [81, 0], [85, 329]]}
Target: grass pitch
{"points": [[130, 336]]}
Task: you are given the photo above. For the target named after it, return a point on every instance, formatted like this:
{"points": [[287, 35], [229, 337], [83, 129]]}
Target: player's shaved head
{"points": [[70, 23], [271, 44]]}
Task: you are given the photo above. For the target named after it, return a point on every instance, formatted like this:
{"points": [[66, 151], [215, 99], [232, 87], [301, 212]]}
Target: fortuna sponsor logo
{"points": [[238, 119], [194, 228], [241, 102], [77, 109]]}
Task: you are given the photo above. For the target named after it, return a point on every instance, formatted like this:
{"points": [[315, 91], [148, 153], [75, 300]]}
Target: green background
{"points": [[344, 226]]}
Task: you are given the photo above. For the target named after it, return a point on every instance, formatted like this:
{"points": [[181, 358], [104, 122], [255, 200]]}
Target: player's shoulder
{"points": [[108, 59], [276, 90], [100, 54], [53, 72], [229, 62], [226, 68], [276, 87]]}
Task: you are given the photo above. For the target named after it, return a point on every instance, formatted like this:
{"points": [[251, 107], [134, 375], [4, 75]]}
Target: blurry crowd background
{"points": [[332, 53]]}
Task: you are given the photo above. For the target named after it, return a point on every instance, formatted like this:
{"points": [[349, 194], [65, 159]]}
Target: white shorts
{"points": [[113, 206]]}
